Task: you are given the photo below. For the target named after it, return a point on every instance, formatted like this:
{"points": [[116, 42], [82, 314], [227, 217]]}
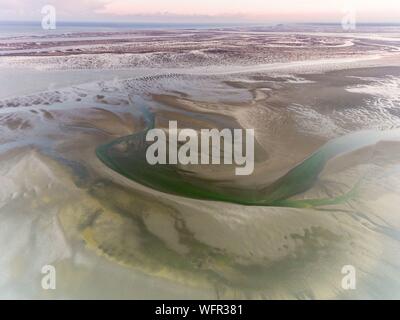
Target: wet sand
{"points": [[60, 205]]}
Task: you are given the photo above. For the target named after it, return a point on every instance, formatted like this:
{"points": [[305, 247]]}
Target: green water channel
{"points": [[131, 162]]}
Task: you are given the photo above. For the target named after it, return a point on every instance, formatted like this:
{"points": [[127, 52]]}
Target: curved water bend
{"points": [[126, 155]]}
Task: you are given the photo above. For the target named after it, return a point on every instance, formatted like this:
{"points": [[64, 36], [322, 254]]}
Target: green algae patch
{"points": [[127, 156]]}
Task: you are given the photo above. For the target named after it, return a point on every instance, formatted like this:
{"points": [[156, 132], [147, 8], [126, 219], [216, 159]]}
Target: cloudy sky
{"points": [[203, 10]]}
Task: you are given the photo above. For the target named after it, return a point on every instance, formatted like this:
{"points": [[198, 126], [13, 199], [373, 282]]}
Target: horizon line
{"points": [[201, 22]]}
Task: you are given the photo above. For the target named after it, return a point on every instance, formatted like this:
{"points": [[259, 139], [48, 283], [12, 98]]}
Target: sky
{"points": [[267, 11]]}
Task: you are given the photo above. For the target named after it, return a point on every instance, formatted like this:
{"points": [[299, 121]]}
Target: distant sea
{"points": [[28, 29], [14, 29]]}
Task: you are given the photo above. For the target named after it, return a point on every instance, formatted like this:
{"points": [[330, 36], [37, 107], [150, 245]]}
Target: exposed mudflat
{"points": [[60, 205]]}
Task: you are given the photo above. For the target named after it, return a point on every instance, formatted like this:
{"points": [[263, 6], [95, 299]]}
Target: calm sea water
{"points": [[17, 29], [33, 28]]}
